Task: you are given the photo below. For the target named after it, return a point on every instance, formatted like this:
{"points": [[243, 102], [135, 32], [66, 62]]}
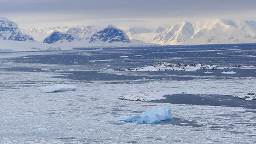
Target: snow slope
{"points": [[82, 32], [208, 32]]}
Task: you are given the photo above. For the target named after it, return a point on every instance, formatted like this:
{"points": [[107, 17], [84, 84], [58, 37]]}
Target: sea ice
{"points": [[164, 66], [150, 117], [57, 88]]}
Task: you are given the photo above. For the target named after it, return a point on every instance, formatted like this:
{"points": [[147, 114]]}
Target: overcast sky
{"points": [[48, 13]]}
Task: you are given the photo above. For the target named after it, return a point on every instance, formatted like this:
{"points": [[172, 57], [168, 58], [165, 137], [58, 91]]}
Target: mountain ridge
{"points": [[9, 30], [211, 31], [218, 31]]}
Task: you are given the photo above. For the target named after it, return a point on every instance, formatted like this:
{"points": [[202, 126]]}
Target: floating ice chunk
{"points": [[57, 88], [54, 49], [150, 117], [124, 56], [248, 96], [228, 72], [207, 72], [45, 69], [58, 71]]}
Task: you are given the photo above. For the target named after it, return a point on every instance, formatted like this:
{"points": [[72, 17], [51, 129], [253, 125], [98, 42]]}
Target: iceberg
{"points": [[57, 88], [150, 117]]}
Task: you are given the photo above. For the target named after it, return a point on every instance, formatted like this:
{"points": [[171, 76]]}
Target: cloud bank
{"points": [[78, 11]]}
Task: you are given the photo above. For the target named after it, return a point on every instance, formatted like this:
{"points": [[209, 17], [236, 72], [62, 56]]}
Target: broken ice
{"points": [[150, 117]]}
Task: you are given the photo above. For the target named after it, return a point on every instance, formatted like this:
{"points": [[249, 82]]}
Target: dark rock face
{"points": [[110, 34], [9, 30], [58, 36]]}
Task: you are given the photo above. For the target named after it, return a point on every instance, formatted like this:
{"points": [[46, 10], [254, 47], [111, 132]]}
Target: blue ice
{"points": [[150, 117]]}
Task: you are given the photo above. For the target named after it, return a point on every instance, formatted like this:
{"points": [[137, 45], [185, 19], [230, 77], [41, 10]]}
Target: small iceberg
{"points": [[150, 117], [59, 71], [228, 72], [57, 88], [208, 72], [124, 56]]}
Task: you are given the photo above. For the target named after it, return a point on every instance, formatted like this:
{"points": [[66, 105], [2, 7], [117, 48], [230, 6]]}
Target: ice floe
{"points": [[144, 96], [207, 72], [150, 117], [57, 88], [237, 87], [228, 72], [248, 96], [124, 56], [164, 66]]}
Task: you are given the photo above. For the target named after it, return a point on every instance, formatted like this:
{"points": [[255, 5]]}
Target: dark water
{"points": [[212, 100]]}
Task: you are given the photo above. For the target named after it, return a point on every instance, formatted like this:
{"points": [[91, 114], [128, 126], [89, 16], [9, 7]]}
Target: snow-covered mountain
{"points": [[208, 32], [40, 34], [110, 34], [82, 32], [9, 30], [214, 31], [58, 37]]}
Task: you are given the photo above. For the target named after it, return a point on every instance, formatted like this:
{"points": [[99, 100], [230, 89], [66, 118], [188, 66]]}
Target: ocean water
{"points": [[204, 105]]}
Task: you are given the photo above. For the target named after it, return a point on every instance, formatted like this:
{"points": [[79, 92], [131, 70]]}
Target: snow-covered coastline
{"points": [[12, 46]]}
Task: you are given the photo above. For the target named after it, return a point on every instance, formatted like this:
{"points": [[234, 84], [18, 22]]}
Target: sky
{"points": [[123, 13]]}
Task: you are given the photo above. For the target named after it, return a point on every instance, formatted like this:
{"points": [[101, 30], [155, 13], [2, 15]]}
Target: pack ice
{"points": [[57, 88], [150, 117]]}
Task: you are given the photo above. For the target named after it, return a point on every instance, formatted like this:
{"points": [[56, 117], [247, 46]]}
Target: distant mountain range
{"points": [[208, 32], [202, 32], [216, 31], [109, 34]]}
